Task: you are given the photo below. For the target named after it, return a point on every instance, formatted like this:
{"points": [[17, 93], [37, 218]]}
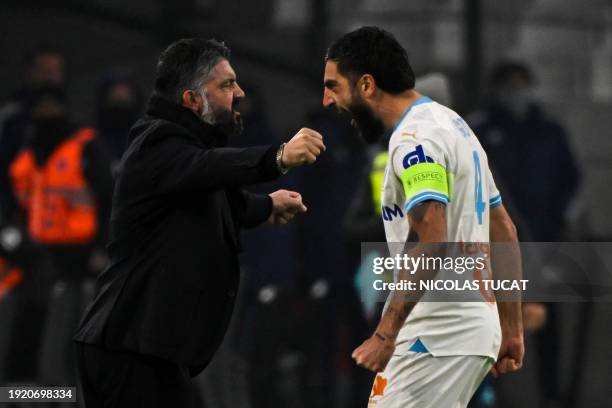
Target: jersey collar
{"points": [[420, 101]]}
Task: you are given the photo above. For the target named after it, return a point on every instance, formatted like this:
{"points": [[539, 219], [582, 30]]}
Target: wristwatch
{"points": [[279, 160]]}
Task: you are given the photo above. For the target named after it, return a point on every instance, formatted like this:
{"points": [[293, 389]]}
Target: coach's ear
{"points": [[367, 85], [190, 99]]}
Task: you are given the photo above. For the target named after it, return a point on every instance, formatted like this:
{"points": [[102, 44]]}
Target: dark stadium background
{"points": [[299, 316]]}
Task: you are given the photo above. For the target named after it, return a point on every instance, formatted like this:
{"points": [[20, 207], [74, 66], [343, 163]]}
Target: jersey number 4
{"points": [[479, 203]]}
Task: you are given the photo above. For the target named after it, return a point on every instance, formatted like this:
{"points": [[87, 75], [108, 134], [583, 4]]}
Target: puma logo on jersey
{"points": [[416, 156]]}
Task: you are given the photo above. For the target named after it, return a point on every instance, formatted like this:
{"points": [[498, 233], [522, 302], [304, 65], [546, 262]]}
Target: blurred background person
{"points": [[535, 164], [43, 66], [119, 103], [286, 311], [61, 182], [518, 136]]}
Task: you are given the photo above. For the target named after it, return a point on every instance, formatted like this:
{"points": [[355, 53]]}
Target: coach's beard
{"points": [[370, 128], [228, 121]]}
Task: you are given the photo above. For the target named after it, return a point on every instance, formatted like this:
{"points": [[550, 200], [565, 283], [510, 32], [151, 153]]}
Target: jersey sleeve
{"points": [[420, 162], [495, 199]]}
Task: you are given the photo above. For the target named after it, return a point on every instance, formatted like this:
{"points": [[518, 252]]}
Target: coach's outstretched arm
{"points": [[428, 227], [506, 264], [180, 165]]}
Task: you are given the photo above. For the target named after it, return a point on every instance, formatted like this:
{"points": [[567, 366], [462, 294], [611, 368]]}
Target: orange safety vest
{"points": [[60, 205]]}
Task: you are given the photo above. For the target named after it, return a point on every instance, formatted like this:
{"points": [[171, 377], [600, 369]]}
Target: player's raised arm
{"points": [[506, 263], [428, 229]]}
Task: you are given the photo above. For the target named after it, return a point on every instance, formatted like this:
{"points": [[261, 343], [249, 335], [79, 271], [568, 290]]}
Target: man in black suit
{"points": [[165, 301]]}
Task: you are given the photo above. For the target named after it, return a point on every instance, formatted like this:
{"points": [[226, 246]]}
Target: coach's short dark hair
{"points": [[371, 50], [184, 63]]}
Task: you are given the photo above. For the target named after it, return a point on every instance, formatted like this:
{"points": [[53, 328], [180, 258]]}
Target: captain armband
{"points": [[425, 181]]}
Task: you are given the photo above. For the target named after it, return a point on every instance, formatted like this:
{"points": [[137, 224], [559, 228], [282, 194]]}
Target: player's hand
{"points": [[304, 147], [374, 353], [510, 356], [285, 204]]}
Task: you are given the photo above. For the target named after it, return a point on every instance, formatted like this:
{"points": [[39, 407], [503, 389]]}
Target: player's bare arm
{"points": [[427, 226], [506, 263]]}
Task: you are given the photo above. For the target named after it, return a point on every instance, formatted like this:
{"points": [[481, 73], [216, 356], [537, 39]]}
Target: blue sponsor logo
{"points": [[389, 213], [416, 156]]}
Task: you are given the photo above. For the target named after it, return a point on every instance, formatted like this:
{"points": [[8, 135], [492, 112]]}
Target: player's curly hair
{"points": [[374, 51], [185, 64]]}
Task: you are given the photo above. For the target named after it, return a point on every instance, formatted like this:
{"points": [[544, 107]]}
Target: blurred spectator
{"points": [[44, 66], [119, 103], [363, 221], [62, 184], [436, 85], [532, 159], [521, 141]]}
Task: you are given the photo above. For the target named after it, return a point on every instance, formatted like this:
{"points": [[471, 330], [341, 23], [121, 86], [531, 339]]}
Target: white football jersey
{"points": [[434, 155]]}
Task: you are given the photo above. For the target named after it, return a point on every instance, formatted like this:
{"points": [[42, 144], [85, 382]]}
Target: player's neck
{"points": [[393, 107]]}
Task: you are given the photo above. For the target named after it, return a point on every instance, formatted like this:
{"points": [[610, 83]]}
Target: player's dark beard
{"points": [[370, 128]]}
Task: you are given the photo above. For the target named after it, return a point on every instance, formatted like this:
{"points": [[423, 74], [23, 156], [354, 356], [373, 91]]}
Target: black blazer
{"points": [[177, 208]]}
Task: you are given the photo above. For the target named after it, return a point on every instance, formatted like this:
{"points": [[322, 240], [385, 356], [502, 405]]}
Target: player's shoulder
{"points": [[421, 129], [424, 146], [429, 117]]}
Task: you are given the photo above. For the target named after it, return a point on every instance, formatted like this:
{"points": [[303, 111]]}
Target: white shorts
{"points": [[420, 380]]}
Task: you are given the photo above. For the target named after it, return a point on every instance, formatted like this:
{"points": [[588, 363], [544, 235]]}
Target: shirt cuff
{"points": [[425, 196], [267, 166], [259, 210], [495, 201]]}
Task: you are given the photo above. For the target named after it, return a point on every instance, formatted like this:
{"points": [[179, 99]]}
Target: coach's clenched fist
{"points": [[285, 205], [304, 147]]}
